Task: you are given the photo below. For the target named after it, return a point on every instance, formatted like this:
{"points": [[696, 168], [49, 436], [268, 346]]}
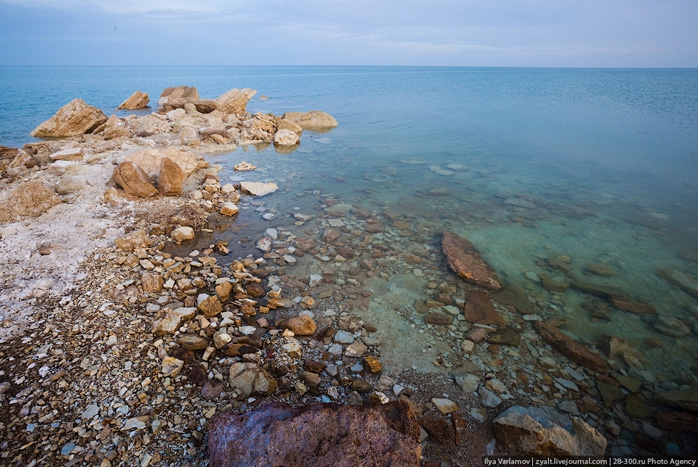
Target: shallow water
{"points": [[529, 164]]}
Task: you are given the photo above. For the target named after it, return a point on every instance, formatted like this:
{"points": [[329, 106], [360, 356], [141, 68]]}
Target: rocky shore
{"points": [[129, 328]]}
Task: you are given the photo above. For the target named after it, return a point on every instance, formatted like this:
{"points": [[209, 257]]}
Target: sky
{"points": [[557, 33]]}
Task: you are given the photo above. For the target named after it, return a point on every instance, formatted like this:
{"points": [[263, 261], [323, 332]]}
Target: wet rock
{"points": [[670, 326], [302, 325], [476, 334], [517, 298], [610, 392], [338, 210], [600, 270], [286, 138], [313, 120], [686, 422], [438, 429], [137, 100], [541, 431], [505, 336], [634, 307], [250, 379], [74, 119], [479, 309], [606, 291], [467, 263], [686, 398], [170, 178], [636, 406], [330, 235], [258, 188], [181, 234], [229, 209], [570, 348], [235, 101], [318, 434], [681, 280], [628, 382], [436, 317], [133, 180], [133, 241]]}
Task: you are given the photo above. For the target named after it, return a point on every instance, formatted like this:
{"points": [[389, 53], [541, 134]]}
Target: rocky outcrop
{"points": [[467, 263], [235, 101], [315, 435], [315, 120], [138, 100], [571, 348], [73, 119], [178, 97], [541, 431], [133, 180]]}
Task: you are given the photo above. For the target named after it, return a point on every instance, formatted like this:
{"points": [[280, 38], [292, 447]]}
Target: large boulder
{"points": [[235, 101], [176, 93], [571, 348], [115, 127], [151, 159], [133, 180], [315, 435], [170, 178], [73, 119], [30, 199], [541, 431], [467, 263], [315, 120], [138, 100]]}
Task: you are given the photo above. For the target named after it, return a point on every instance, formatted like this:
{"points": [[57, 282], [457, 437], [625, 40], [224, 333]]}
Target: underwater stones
{"points": [[570, 348], [439, 318], [542, 431], [467, 263], [686, 398], [670, 326], [600, 270], [73, 119], [251, 379], [258, 188], [505, 336], [638, 308], [681, 280], [480, 310], [606, 291], [610, 392], [326, 434], [338, 210]]}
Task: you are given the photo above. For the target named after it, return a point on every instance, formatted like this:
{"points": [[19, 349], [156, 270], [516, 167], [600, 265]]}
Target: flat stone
{"points": [[192, 342], [438, 318], [229, 209], [445, 406], [258, 188], [505, 336], [570, 348], [357, 349], [638, 308], [686, 398], [327, 434], [181, 234], [468, 383], [467, 263], [602, 290], [670, 326], [489, 399], [479, 309]]}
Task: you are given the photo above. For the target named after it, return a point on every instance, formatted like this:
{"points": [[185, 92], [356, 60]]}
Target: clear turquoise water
{"points": [[609, 157]]}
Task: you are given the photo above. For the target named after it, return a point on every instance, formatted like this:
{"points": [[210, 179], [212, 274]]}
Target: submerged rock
{"points": [[258, 188], [480, 310], [681, 280], [467, 263], [570, 348], [73, 119], [318, 434], [683, 398], [541, 431]]}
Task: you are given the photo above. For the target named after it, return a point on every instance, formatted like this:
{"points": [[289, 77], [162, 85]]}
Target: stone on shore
{"points": [[150, 160], [480, 310], [258, 188], [138, 100], [286, 138], [467, 263], [229, 209], [133, 180], [541, 431], [73, 119], [30, 199], [302, 325], [285, 124], [686, 398], [318, 434], [181, 234], [170, 178], [235, 101], [571, 348], [133, 241], [249, 379], [313, 120]]}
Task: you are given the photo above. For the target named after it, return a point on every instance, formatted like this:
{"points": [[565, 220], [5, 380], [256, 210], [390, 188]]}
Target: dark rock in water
{"points": [[438, 429], [636, 406], [606, 291], [678, 421], [467, 263], [682, 398], [680, 280], [505, 336], [638, 308], [600, 270], [517, 298], [541, 431], [689, 255], [610, 392], [479, 309], [671, 326], [553, 285], [571, 348], [316, 435], [438, 318]]}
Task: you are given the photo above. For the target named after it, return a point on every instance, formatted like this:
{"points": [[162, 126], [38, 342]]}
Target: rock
{"points": [[285, 124], [152, 282], [133, 241], [606, 291], [468, 383], [229, 209], [634, 307], [171, 366], [223, 290], [357, 349], [541, 431], [314, 435], [30, 199], [70, 154], [313, 120], [181, 234], [338, 210], [209, 306], [476, 334], [115, 127], [74, 119], [678, 421], [372, 364], [686, 398], [436, 317], [212, 391], [670, 326], [520, 203], [138, 100], [681, 280], [610, 393], [480, 310], [445, 406], [302, 325], [505, 336], [150, 160], [133, 180], [489, 399], [168, 321], [438, 429], [244, 167], [286, 138], [250, 379], [170, 178], [258, 189], [235, 101], [177, 96], [467, 263], [571, 348], [192, 342]]}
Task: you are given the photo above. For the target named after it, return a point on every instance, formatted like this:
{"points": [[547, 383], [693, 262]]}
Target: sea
{"points": [[557, 176]]}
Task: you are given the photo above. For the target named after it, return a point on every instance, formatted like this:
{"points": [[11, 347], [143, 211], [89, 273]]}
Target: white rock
{"points": [[258, 189], [445, 406], [286, 138], [183, 233]]}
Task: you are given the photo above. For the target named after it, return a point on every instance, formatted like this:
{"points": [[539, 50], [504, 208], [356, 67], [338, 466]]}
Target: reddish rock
{"points": [[638, 308], [571, 348], [170, 177], [438, 429], [686, 422], [316, 435], [438, 318], [467, 263], [134, 180], [480, 310]]}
